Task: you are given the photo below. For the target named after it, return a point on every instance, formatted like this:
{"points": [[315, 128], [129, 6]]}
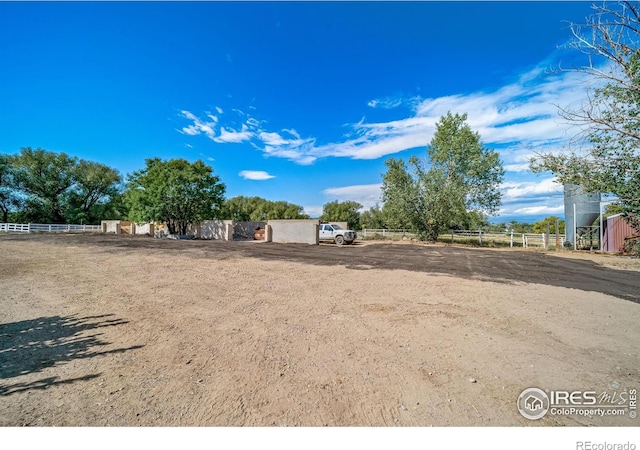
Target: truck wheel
{"points": [[339, 240]]}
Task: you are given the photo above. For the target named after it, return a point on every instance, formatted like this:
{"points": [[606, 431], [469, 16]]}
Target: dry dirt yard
{"points": [[102, 330]]}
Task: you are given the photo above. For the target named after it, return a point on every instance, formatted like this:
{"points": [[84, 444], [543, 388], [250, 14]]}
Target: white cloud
{"points": [[227, 136], [188, 115], [272, 138], [287, 145], [365, 194], [198, 126], [258, 175], [393, 102], [531, 198], [219, 110], [314, 211], [544, 188]]}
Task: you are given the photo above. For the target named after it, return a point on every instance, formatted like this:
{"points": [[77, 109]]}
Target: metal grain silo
{"points": [[580, 210]]}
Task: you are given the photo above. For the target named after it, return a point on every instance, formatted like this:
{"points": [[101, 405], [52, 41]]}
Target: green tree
{"points": [[373, 218], [347, 211], [609, 122], [9, 198], [541, 226], [95, 193], [176, 192], [54, 187], [520, 227], [612, 209], [399, 195], [274, 210], [239, 208], [45, 178], [458, 190]]}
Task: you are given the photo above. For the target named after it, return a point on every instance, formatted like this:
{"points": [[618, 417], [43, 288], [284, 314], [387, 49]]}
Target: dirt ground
{"points": [[102, 330]]}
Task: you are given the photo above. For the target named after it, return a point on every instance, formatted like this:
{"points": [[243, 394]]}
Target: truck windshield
{"points": [[336, 227]]}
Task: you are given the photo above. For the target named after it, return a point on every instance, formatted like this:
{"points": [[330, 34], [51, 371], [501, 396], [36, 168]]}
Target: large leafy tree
{"points": [[608, 157], [176, 192], [347, 211], [459, 188], [400, 195], [54, 187], [96, 192], [45, 178]]}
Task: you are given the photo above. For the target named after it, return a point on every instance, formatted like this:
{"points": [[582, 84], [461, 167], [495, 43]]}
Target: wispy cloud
{"points": [[394, 102], [515, 119], [258, 175], [385, 103], [233, 136], [367, 195]]}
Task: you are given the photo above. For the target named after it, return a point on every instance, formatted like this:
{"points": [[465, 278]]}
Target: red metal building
{"points": [[616, 229]]}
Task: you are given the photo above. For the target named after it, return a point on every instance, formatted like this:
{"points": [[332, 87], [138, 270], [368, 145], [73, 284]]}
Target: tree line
{"points": [[41, 186]]}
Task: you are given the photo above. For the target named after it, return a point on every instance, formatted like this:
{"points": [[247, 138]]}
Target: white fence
{"points": [[48, 228], [524, 240]]}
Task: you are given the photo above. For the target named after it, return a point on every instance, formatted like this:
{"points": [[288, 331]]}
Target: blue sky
{"points": [[295, 101]]}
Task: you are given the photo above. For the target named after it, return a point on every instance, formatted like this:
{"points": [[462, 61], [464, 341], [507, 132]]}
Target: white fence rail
{"points": [[48, 228], [379, 233]]}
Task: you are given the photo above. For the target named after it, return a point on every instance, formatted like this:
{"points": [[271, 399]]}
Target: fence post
{"points": [[524, 241], [544, 241], [548, 237], [29, 227], [452, 236], [480, 237], [511, 240], [384, 232]]}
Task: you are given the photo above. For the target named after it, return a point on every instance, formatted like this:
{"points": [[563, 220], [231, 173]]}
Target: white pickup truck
{"points": [[335, 233]]}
